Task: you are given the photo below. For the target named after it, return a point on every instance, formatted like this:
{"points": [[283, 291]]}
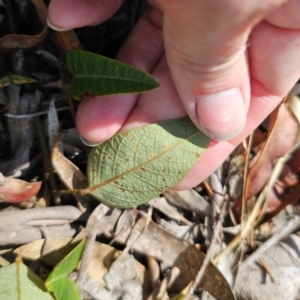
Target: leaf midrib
{"points": [[99, 185], [110, 77]]}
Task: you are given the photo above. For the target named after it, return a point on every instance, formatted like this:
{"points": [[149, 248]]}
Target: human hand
{"points": [[217, 65]]}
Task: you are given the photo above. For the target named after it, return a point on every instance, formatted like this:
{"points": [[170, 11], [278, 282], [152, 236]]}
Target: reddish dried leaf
{"points": [[65, 40], [259, 140], [279, 141], [282, 133], [13, 42], [16, 191], [286, 189], [278, 201]]}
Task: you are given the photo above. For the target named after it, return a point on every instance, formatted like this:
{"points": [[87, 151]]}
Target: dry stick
{"points": [[23, 116], [244, 200], [118, 231], [195, 285], [16, 228], [267, 269], [147, 221], [93, 227], [160, 290], [280, 234], [46, 159], [245, 179], [251, 222], [216, 212], [279, 167]]}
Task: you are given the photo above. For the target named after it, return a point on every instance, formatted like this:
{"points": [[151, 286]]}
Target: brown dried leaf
{"points": [[70, 174], [162, 245], [190, 200], [180, 231], [20, 41], [283, 262], [161, 204], [33, 251], [125, 221], [279, 141], [286, 188], [280, 197]]}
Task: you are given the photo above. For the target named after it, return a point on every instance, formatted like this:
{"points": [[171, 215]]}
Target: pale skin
{"points": [[226, 64]]}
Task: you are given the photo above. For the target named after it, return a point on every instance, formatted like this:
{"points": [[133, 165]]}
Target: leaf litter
{"points": [[184, 229]]}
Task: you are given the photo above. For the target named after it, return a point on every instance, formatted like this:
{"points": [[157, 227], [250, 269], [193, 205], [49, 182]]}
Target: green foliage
{"points": [[58, 281], [16, 79], [136, 165], [17, 282], [96, 75]]}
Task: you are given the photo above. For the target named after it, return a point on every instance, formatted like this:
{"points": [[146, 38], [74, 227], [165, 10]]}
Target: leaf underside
{"points": [[19, 282], [134, 166], [96, 75]]}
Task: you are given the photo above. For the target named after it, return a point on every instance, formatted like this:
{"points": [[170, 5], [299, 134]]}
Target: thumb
{"points": [[205, 43]]}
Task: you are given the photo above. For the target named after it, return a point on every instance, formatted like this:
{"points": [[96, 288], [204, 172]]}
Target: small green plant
{"points": [[134, 166], [17, 281], [59, 283]]}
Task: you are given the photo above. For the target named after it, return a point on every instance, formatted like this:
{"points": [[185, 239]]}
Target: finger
{"points": [[205, 44], [100, 118], [275, 68], [69, 14], [286, 16], [274, 56]]}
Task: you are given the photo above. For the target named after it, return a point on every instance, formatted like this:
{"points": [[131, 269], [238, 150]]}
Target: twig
{"points": [[252, 220], [92, 229], [148, 219], [47, 160], [23, 116], [290, 226], [195, 285], [15, 226], [267, 269]]}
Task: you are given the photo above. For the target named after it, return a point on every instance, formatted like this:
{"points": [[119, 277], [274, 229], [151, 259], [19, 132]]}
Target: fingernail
{"points": [[87, 143], [222, 115], [54, 27]]}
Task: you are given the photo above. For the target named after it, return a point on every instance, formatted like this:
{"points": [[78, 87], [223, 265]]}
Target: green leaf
{"points": [[96, 75], [136, 165], [58, 281], [17, 282], [16, 79]]}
